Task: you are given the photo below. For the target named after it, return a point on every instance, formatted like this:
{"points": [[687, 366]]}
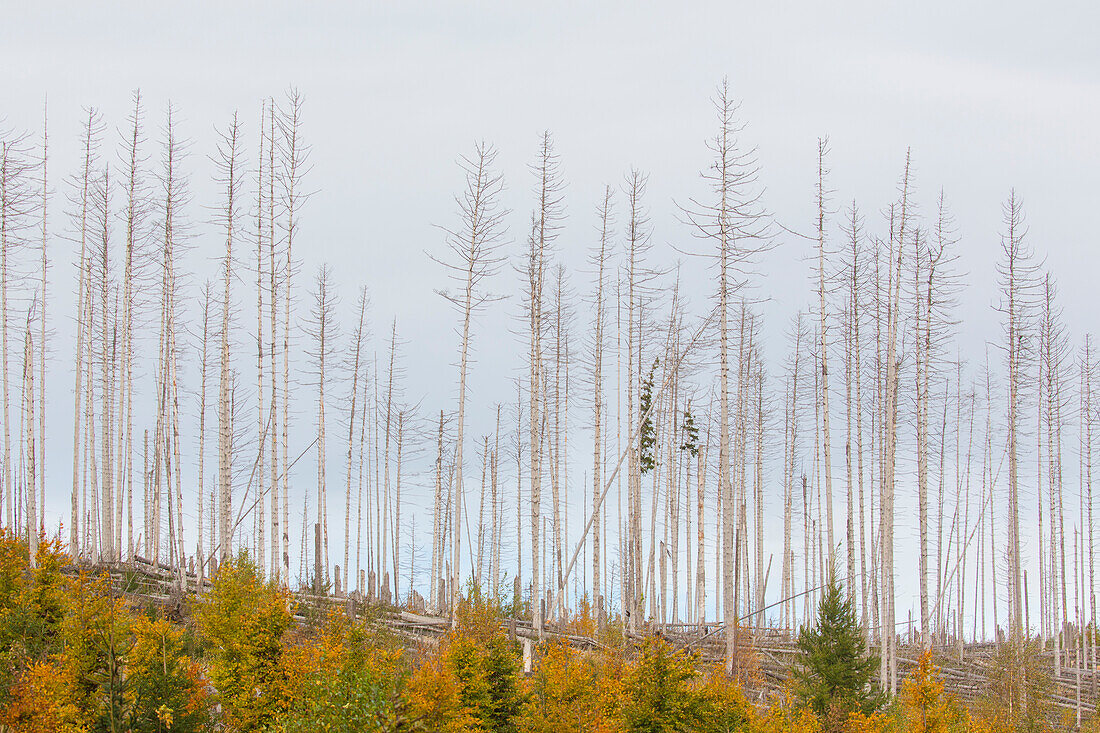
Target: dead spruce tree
{"points": [[262, 424], [599, 260], [472, 258], [42, 302], [203, 365], [292, 169], [890, 328], [1016, 272], [821, 197], [230, 174], [636, 248], [136, 261], [80, 201], [545, 225], [732, 217], [17, 209], [359, 337], [322, 330]]}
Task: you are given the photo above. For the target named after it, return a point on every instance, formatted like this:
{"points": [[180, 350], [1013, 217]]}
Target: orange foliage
{"points": [[433, 694], [43, 699], [783, 716], [242, 619], [924, 706], [570, 691]]}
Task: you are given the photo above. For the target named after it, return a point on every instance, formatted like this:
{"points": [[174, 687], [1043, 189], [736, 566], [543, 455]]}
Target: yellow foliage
{"points": [[783, 716], [433, 694], [165, 689], [43, 699], [924, 706], [859, 723], [242, 619], [569, 692], [97, 633]]}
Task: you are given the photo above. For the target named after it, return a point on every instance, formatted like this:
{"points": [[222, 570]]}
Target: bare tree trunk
{"points": [[473, 246], [202, 420], [386, 523], [230, 177], [604, 211], [357, 349], [323, 334], [922, 397], [40, 463], [437, 522], [498, 515], [401, 418], [103, 275], [890, 438], [823, 344], [262, 424], [1015, 272], [34, 530], [295, 157], [92, 129], [8, 181], [733, 219], [363, 450], [544, 227], [273, 404], [135, 229], [1087, 417]]}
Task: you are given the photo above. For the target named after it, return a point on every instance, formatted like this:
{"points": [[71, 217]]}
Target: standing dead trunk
{"points": [[83, 198], [323, 333], [732, 218], [357, 348], [39, 461], [823, 346], [230, 177], [473, 246], [262, 425], [1016, 276], [545, 223], [295, 164], [202, 420]]}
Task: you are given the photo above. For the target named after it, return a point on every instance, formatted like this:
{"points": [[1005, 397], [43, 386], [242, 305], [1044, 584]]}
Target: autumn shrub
{"points": [[924, 707], [785, 715], [472, 682], [658, 694], [96, 636], [241, 621], [165, 689], [434, 698], [722, 706], [569, 691], [32, 604], [1018, 687], [343, 679], [44, 698]]}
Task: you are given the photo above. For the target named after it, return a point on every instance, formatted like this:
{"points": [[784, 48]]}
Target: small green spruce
{"points": [[647, 433], [835, 675]]}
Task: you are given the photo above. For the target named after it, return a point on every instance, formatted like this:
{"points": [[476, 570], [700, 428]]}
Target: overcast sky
{"points": [[988, 96]]}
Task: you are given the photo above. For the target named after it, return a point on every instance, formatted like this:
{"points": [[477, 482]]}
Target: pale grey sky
{"points": [[988, 95]]}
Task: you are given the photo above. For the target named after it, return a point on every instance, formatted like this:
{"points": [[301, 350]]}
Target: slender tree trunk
{"points": [[823, 343], [40, 463], [230, 171], [202, 420], [91, 142], [295, 163], [357, 349], [605, 215]]}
